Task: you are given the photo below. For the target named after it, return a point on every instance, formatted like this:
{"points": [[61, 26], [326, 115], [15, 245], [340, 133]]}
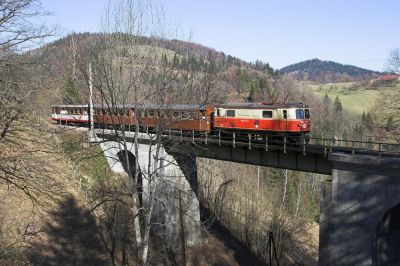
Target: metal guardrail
{"points": [[284, 143]]}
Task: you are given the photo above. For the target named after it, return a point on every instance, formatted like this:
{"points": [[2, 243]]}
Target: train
{"points": [[272, 119]]}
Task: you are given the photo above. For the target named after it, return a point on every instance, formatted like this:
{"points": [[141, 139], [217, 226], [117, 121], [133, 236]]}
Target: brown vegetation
{"points": [[261, 201]]}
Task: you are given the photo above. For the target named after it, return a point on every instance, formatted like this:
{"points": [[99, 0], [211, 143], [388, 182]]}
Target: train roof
{"points": [[261, 105], [70, 105], [151, 106], [140, 106]]}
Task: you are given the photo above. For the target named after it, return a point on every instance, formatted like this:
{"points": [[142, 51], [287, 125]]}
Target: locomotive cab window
{"points": [[299, 113], [218, 112], [307, 113], [230, 113], [267, 114], [284, 114]]}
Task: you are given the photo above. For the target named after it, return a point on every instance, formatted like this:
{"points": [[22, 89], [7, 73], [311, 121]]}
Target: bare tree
{"points": [[133, 69], [393, 63], [18, 32]]}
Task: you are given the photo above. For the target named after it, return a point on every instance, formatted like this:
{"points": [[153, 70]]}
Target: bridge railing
{"points": [[285, 143]]}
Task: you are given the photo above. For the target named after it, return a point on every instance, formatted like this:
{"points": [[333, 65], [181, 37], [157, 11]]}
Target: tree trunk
{"points": [[285, 172]]}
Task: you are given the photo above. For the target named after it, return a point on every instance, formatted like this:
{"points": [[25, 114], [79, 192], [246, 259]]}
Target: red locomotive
{"points": [[274, 119]]}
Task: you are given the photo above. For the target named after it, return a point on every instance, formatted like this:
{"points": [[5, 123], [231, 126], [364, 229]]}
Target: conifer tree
{"points": [[175, 60], [337, 105], [70, 92], [337, 116]]}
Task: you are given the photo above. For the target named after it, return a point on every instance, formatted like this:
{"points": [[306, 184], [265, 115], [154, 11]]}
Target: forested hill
{"points": [[224, 77], [327, 71], [192, 55]]}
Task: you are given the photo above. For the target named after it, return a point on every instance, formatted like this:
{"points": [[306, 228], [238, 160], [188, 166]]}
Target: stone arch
{"points": [[130, 164], [387, 242]]}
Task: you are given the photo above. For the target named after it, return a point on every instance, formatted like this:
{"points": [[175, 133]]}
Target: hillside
{"points": [[362, 99], [327, 71], [232, 79]]}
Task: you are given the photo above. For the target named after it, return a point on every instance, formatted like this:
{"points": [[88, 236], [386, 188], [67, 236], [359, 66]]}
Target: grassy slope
{"points": [[357, 101]]}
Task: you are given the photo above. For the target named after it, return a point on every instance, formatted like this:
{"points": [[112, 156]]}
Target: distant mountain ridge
{"points": [[328, 71]]}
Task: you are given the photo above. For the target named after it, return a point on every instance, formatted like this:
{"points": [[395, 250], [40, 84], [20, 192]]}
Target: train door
{"points": [[219, 118], [284, 120], [212, 117]]}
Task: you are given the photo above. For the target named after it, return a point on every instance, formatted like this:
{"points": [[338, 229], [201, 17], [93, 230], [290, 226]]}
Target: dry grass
{"points": [[34, 178]]}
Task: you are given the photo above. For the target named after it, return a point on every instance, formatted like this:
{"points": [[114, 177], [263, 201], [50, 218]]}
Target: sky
{"points": [[280, 32]]}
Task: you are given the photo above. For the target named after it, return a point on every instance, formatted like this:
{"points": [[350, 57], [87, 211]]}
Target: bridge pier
{"points": [[360, 212], [175, 187]]}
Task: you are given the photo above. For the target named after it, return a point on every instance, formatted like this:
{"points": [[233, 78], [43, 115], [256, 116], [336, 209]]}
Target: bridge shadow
{"points": [[70, 238], [241, 253]]}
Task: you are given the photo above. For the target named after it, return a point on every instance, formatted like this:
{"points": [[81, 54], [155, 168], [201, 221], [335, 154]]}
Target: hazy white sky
{"points": [[358, 32]]}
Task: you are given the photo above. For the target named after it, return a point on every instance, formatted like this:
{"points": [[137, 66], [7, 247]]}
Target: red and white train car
{"points": [[273, 119], [291, 118], [74, 114]]}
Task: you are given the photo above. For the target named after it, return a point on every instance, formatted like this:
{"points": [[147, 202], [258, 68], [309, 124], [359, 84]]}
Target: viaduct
{"points": [[359, 207]]}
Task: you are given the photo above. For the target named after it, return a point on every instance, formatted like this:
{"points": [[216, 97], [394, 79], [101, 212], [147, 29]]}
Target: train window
{"points": [[186, 115], [307, 113], [267, 114], [299, 113], [284, 114], [195, 115], [230, 113], [218, 112], [166, 114], [176, 115], [203, 114], [150, 113]]}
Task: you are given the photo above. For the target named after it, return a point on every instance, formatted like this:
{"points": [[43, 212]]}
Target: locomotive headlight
{"points": [[304, 125], [203, 117]]}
